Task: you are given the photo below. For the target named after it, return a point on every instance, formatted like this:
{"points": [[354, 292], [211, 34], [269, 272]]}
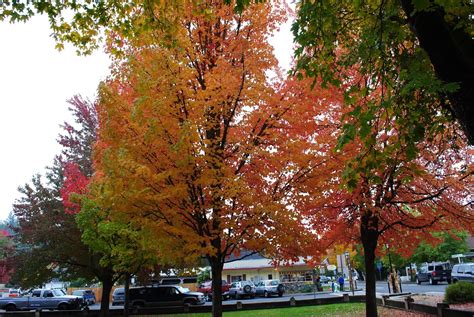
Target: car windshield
{"points": [[182, 289], [119, 291], [58, 292]]}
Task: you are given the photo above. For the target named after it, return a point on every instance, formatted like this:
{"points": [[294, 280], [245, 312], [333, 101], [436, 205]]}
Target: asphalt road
{"points": [[424, 288]]}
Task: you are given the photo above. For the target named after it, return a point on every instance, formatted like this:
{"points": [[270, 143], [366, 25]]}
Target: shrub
{"points": [[306, 288], [460, 292]]}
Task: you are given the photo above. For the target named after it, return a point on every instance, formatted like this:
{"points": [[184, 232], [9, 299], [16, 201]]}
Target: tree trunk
{"points": [[216, 269], [451, 51], [107, 283], [127, 295], [369, 235]]}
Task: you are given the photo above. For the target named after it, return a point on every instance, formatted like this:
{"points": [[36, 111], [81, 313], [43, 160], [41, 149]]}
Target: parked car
{"points": [[324, 279], [267, 288], [42, 299], [434, 272], [118, 296], [463, 272], [87, 295], [206, 289], [164, 295], [242, 289]]}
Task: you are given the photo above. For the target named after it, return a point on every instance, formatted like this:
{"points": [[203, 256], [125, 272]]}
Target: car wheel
{"points": [[449, 281], [247, 288], [190, 302], [418, 281], [10, 307], [63, 306], [455, 281], [281, 288]]}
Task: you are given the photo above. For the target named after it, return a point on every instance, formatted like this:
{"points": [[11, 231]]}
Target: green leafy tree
{"points": [[118, 244], [448, 244], [420, 52], [204, 275]]}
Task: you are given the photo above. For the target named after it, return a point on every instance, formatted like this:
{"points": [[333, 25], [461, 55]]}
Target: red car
{"points": [[206, 288]]}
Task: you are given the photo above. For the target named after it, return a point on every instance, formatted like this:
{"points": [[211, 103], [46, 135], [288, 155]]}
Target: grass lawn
{"points": [[342, 310]]}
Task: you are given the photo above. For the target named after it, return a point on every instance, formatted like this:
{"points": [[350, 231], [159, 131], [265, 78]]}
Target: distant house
{"points": [[259, 268]]}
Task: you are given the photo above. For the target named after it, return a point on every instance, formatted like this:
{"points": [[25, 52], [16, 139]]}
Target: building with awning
{"points": [[260, 268]]}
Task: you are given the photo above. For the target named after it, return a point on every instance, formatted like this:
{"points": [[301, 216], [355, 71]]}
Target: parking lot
{"points": [[381, 286]]}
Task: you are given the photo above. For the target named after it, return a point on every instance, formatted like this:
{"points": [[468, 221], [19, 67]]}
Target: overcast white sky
{"points": [[35, 83]]}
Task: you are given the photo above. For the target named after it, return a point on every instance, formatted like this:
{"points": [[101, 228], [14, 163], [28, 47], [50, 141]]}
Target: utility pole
{"points": [[348, 261]]}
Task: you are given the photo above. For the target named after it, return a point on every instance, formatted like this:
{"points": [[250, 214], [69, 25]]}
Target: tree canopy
{"points": [[420, 52], [194, 140]]}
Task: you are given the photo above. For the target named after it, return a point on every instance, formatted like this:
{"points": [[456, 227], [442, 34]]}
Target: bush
{"points": [[306, 288], [460, 292]]}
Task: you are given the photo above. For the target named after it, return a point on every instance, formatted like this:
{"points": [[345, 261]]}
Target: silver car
{"points": [[242, 289], [267, 288], [118, 296], [463, 272]]}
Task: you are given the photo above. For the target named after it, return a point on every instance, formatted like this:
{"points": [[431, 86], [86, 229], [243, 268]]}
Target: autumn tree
{"points": [[49, 240], [193, 140], [383, 192], [396, 137]]}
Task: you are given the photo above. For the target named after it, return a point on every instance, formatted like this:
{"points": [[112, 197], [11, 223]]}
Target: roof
{"points": [[249, 264]]}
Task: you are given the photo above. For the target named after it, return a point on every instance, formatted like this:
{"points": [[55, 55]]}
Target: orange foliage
{"points": [[198, 143]]}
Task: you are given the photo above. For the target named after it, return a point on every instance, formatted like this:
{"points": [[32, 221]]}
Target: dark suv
{"points": [[434, 272], [164, 295]]}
